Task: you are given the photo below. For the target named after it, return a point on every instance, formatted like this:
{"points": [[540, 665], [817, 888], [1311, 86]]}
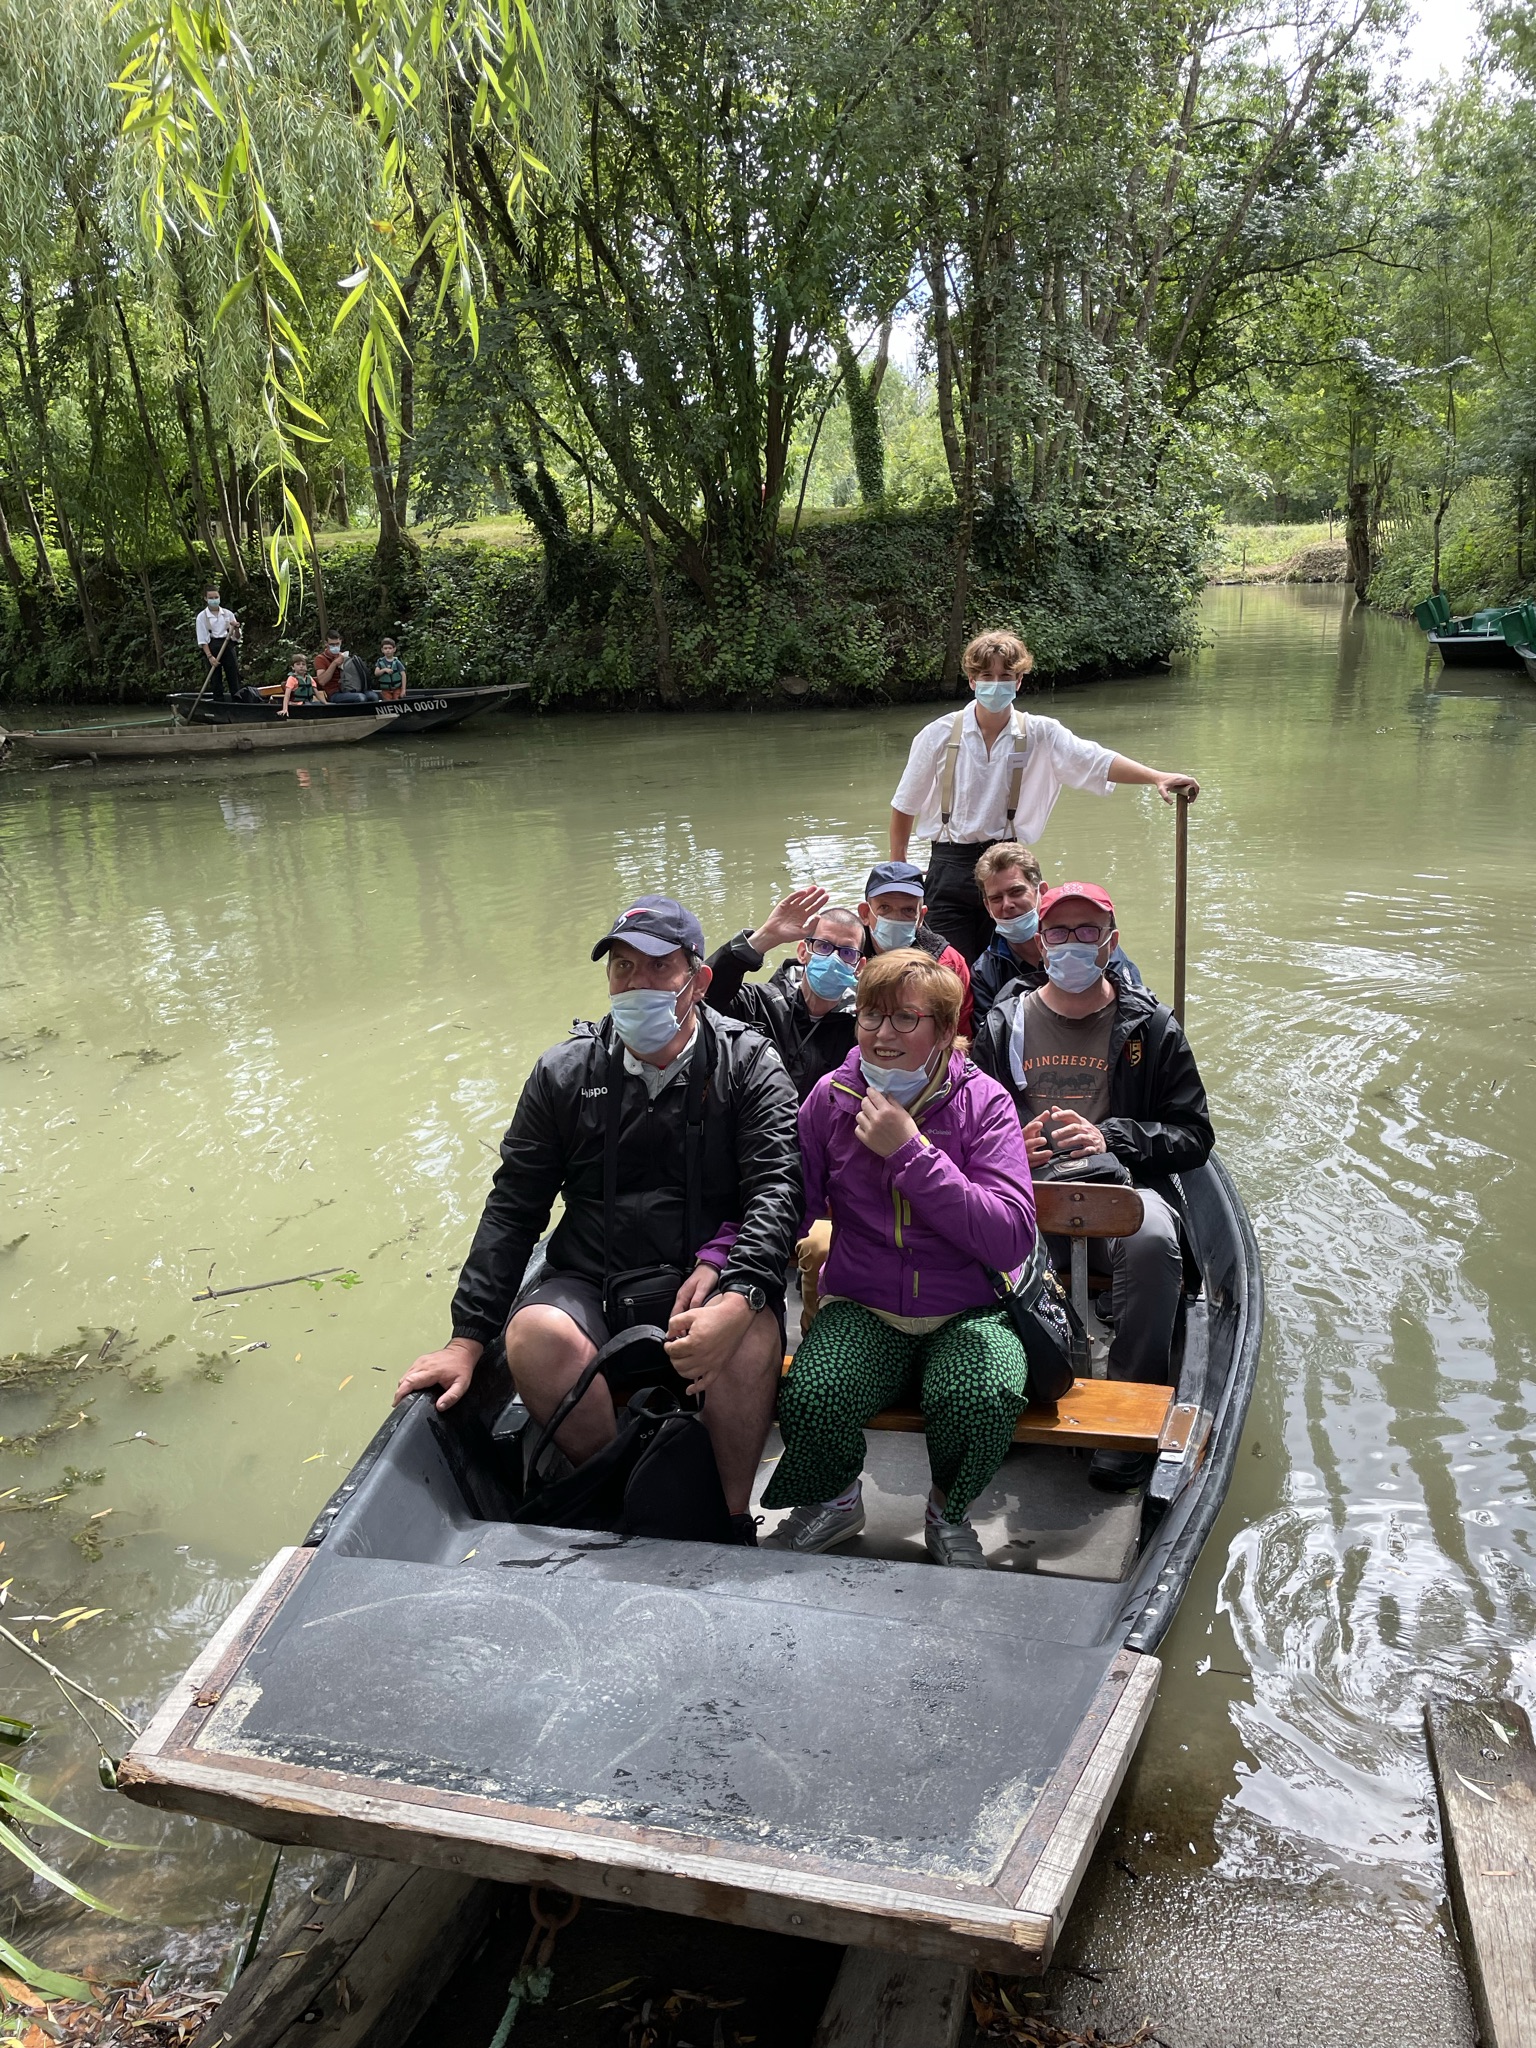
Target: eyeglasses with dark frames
{"points": [[904, 1021], [1085, 934], [825, 948]]}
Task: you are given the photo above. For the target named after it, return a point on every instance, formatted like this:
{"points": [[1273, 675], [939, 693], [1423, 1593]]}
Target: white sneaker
{"points": [[820, 1527], [954, 1543]]}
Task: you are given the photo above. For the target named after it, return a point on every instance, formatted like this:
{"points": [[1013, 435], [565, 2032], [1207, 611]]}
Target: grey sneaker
{"points": [[954, 1543], [821, 1527]]}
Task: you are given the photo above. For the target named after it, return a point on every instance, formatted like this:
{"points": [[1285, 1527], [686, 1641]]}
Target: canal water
{"points": [[261, 1020]]}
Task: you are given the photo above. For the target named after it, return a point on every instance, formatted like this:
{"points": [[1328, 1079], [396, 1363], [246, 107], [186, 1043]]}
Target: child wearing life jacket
{"points": [[299, 685]]}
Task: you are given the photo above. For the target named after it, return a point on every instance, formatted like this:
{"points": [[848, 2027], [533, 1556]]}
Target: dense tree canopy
{"points": [[631, 274]]}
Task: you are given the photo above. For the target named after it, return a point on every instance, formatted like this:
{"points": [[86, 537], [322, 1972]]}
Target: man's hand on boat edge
{"points": [[452, 1369]]}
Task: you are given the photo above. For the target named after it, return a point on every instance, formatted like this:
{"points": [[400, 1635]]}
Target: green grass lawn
{"points": [[511, 533], [1234, 547]]}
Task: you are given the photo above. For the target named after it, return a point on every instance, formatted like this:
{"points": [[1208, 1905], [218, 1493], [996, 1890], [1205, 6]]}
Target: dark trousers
{"points": [[1146, 1283], [955, 909], [224, 669]]}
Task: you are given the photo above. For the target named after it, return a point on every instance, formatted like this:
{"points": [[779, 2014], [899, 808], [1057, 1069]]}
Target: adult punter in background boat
{"points": [[991, 772]]}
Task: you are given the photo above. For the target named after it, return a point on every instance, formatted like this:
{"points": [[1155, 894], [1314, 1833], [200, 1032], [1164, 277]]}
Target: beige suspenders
{"points": [[1019, 739]]}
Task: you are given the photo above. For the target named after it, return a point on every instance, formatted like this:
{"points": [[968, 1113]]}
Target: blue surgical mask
{"points": [[1073, 967], [890, 933], [902, 1084], [1017, 929], [996, 695], [645, 1018], [829, 977]]}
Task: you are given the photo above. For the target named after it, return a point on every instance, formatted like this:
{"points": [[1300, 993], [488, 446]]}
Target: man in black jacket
{"points": [[1095, 1064], [807, 1006], [679, 1068]]}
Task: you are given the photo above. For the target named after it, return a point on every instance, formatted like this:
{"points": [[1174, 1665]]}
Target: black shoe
{"points": [[1120, 1471], [744, 1530]]}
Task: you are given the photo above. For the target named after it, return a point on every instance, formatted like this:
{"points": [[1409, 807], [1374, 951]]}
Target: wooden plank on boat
{"points": [[359, 1960], [1485, 1773], [1120, 1415], [883, 2001], [1085, 1208]]}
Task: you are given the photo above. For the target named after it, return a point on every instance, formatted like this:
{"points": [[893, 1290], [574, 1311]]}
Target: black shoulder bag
{"points": [[1046, 1324], [645, 1294], [657, 1478]]}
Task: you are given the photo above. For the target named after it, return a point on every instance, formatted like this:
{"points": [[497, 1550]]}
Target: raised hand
{"points": [[791, 919]]}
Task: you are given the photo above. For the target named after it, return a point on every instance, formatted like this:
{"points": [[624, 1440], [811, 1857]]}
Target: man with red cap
{"points": [[1099, 1068]]}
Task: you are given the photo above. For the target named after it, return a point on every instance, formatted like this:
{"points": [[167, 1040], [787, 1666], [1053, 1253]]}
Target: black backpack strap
{"points": [[693, 1142], [697, 1087], [614, 1109]]}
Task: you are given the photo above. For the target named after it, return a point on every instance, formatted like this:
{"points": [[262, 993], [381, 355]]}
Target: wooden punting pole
{"points": [[1180, 901]]}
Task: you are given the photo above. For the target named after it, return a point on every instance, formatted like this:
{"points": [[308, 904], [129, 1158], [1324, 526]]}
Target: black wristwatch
{"points": [[750, 1293]]}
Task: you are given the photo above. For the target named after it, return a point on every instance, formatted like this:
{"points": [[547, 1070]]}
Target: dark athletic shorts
{"points": [[582, 1301]]}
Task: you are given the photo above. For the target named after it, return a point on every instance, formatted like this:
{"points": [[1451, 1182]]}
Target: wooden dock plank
{"points": [[884, 2001], [1484, 1763], [359, 1959]]}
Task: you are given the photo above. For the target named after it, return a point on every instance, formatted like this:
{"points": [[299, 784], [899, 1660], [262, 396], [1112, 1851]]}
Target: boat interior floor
{"points": [[1039, 1514]]}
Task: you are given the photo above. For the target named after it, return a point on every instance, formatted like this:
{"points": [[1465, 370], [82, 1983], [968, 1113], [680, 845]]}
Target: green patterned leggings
{"points": [[969, 1377]]}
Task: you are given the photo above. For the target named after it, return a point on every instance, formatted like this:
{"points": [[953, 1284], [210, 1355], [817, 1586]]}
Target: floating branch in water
{"points": [[256, 1286]]}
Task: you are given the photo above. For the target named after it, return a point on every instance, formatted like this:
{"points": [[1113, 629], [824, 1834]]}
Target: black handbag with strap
{"points": [[658, 1477], [1046, 1324], [645, 1294]]}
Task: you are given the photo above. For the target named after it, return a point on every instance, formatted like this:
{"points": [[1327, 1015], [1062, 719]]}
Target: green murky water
{"points": [[258, 1020]]}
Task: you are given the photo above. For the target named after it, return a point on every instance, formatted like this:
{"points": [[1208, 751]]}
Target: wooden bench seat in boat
{"points": [[1113, 1415], [1110, 1415]]}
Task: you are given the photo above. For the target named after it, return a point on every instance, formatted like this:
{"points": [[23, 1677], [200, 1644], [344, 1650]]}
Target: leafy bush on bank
{"points": [[853, 609], [1479, 561]]}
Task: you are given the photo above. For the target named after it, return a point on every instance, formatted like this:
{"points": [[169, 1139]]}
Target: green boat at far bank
{"points": [[1474, 640]]}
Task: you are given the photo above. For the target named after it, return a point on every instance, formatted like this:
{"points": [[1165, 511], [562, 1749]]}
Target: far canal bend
{"points": [[264, 1021]]}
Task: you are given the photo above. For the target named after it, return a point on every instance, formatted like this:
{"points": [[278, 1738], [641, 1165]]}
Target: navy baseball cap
{"points": [[654, 925], [894, 878]]}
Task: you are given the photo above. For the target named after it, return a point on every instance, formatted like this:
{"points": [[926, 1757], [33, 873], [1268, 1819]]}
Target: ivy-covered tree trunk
{"points": [[862, 392], [1357, 535]]}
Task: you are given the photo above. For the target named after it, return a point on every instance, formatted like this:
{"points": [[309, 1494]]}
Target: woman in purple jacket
{"points": [[918, 1160]]}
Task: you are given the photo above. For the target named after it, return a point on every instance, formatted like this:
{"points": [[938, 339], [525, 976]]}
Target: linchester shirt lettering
{"points": [[1063, 1062], [1056, 759]]}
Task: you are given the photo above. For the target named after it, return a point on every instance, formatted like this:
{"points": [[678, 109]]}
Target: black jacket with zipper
{"points": [[1159, 1123], [809, 1046], [751, 1172]]}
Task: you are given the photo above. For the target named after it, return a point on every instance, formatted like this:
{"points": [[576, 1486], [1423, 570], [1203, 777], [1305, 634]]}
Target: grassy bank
{"points": [[854, 608], [1305, 553]]}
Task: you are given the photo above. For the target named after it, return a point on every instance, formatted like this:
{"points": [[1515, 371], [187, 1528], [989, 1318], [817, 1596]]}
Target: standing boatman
{"points": [[218, 635], [989, 773]]}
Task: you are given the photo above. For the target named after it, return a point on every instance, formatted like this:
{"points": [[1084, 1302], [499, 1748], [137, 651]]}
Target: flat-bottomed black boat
{"points": [[858, 1747], [416, 711]]}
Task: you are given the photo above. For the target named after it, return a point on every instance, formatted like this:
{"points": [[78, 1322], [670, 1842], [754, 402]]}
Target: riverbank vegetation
{"points": [[995, 285]]}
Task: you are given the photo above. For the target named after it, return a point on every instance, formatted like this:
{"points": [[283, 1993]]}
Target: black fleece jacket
{"points": [[1159, 1122], [809, 1046], [751, 1172]]}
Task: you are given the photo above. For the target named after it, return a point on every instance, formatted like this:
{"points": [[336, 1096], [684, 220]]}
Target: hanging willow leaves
{"points": [[417, 85]]}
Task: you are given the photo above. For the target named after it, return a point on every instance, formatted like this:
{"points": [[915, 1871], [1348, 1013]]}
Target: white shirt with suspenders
{"points": [[961, 795]]}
